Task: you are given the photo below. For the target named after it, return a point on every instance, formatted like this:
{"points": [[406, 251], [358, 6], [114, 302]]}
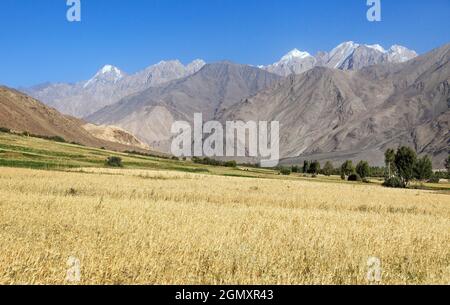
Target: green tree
{"points": [[328, 169], [363, 169], [405, 160], [389, 159], [306, 165], [314, 168], [347, 169], [447, 165], [423, 169]]}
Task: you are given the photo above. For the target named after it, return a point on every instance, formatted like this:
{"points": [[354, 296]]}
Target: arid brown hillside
{"points": [[114, 134], [22, 113], [328, 114]]}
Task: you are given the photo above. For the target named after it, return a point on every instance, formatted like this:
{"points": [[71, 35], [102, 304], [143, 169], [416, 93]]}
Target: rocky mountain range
{"points": [[108, 86], [325, 113], [331, 114], [350, 103], [346, 56], [150, 114]]}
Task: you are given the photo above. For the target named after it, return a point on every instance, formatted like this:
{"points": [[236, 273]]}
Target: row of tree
{"points": [[346, 170], [402, 166]]}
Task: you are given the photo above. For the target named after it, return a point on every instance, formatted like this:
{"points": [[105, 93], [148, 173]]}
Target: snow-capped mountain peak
{"points": [[397, 48], [295, 61], [295, 54], [348, 55], [195, 66], [339, 54], [109, 68], [376, 47], [400, 54], [107, 74], [344, 48]]}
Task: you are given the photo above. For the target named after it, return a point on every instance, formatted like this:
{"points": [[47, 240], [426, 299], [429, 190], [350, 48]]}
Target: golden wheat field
{"points": [[156, 227]]}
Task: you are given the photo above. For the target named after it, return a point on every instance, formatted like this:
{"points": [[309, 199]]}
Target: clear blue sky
{"points": [[39, 45]]}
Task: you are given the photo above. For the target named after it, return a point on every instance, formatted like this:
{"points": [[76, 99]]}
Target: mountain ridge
{"points": [[108, 86], [150, 113], [326, 112], [346, 56]]}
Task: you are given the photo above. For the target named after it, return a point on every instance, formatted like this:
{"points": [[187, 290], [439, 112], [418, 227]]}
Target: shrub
{"points": [[213, 162], [114, 162], [441, 175], [285, 171], [434, 179], [230, 164], [57, 139], [295, 169], [6, 130], [394, 182], [354, 177], [138, 153]]}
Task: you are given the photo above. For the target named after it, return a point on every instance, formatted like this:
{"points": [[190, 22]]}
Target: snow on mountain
{"points": [[348, 55], [195, 66], [107, 74], [108, 86], [400, 54], [295, 54], [376, 47], [294, 62], [339, 54]]}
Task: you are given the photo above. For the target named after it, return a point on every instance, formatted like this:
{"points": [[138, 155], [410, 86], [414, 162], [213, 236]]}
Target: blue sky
{"points": [[39, 45]]}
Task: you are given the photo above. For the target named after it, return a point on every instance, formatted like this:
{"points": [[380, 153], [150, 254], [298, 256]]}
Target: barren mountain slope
{"points": [[114, 134], [332, 114], [20, 113], [149, 115]]}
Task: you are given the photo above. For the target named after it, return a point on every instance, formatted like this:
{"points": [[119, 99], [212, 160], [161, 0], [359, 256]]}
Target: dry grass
{"points": [[132, 226]]}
